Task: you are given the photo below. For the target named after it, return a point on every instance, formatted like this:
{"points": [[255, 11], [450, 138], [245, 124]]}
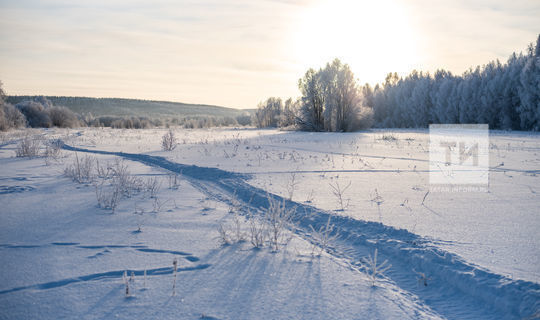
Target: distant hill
{"points": [[118, 107]]}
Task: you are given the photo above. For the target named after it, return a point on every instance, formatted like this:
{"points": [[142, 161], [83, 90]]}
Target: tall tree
{"points": [[529, 93], [313, 100]]}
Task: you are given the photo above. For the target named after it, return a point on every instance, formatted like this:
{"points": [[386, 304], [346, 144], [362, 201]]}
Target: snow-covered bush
{"points": [[271, 227], [40, 112], [11, 117], [232, 232], [81, 170], [168, 141], [237, 222], [388, 137], [152, 186], [130, 123], [35, 113], [107, 196], [126, 183], [103, 172], [28, 147], [62, 117], [278, 219], [257, 232], [224, 235], [53, 151], [111, 182]]}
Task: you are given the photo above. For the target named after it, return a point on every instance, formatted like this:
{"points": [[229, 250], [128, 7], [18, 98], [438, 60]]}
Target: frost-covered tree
{"points": [[289, 114], [367, 95], [331, 99], [343, 99], [529, 92], [269, 112], [503, 95], [509, 117], [421, 102], [10, 117], [2, 94], [313, 100]]}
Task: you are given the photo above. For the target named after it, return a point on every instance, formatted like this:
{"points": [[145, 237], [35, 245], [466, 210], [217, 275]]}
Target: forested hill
{"points": [[118, 107]]}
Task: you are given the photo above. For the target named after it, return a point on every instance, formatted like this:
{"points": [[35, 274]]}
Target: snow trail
{"points": [[455, 289]]}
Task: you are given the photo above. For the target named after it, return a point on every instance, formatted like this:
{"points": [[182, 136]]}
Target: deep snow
{"points": [[473, 247]]}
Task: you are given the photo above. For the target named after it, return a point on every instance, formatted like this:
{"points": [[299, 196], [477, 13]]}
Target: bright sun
{"points": [[373, 37]]}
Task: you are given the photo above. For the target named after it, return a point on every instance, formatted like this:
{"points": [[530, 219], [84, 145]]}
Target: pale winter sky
{"points": [[236, 53]]}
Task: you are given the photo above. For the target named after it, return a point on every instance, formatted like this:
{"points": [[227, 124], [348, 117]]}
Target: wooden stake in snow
{"points": [[175, 267], [126, 283], [145, 277]]}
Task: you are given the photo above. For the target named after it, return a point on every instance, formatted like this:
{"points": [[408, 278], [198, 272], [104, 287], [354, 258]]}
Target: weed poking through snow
{"points": [[81, 170], [422, 278], [292, 186], [152, 186], [323, 237], [107, 196], [378, 200], [372, 269], [338, 192], [278, 219], [257, 232]]}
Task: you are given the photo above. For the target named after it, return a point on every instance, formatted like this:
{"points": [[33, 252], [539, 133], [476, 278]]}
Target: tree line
{"points": [[34, 113], [40, 112], [504, 95]]}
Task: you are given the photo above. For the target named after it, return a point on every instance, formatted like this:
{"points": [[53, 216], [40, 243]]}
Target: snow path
{"points": [[456, 289]]}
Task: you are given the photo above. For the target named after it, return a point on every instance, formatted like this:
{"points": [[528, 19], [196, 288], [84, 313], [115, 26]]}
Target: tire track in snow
{"points": [[497, 168], [458, 289]]}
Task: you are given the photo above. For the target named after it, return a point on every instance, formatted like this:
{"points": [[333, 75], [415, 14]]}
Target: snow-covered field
{"points": [[462, 255]]}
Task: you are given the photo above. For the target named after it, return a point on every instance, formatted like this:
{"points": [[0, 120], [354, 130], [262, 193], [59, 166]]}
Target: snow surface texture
{"points": [[456, 283]]}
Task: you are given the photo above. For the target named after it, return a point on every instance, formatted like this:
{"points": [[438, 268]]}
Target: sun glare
{"points": [[373, 37]]}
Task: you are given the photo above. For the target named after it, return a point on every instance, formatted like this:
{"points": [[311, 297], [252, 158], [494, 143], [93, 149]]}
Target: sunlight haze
{"points": [[236, 53]]}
